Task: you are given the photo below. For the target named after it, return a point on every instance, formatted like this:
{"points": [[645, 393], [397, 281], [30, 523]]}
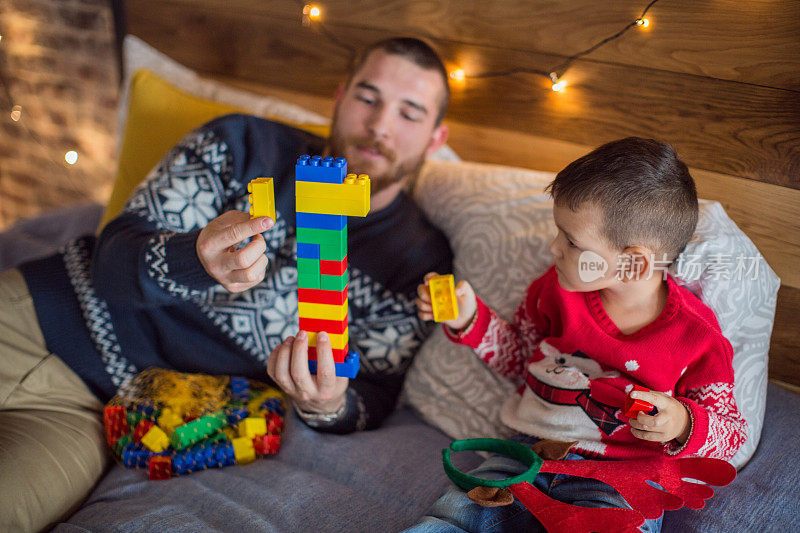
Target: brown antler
{"points": [[630, 479], [556, 516]]}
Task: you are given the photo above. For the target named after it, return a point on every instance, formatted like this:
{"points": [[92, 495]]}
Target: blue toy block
{"points": [[236, 415], [307, 250], [240, 388], [320, 221], [348, 369], [320, 170], [273, 405]]}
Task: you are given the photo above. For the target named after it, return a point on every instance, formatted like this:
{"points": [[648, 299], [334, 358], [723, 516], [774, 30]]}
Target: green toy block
{"points": [[322, 236], [195, 431], [307, 281], [121, 443], [333, 252], [309, 267], [134, 417], [334, 283]]}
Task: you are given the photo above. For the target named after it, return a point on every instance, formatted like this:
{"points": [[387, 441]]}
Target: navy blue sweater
{"points": [[138, 296]]}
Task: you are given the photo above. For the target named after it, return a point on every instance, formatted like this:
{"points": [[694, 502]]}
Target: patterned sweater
{"points": [[576, 367], [138, 296]]}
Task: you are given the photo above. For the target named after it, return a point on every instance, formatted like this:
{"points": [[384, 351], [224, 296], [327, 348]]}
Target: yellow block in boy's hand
{"points": [[443, 297]]}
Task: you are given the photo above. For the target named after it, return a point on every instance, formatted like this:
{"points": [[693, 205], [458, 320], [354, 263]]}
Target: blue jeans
{"points": [[456, 512]]}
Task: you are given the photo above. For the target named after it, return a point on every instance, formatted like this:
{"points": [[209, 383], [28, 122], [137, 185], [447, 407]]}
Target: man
{"points": [[184, 279]]}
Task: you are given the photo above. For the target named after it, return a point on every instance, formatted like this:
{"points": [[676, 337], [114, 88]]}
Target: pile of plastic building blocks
{"points": [[172, 423]]}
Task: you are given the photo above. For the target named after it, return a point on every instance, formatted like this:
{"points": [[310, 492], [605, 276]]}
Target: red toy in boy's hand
{"points": [[634, 407]]}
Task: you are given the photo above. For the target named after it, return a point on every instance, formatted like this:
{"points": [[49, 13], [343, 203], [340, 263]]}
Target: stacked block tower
{"points": [[325, 196]]}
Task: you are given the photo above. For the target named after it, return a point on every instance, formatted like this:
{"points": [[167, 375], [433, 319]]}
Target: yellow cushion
{"points": [[159, 116]]}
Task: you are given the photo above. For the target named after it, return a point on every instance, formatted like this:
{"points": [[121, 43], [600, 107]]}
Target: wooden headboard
{"points": [[720, 81]]}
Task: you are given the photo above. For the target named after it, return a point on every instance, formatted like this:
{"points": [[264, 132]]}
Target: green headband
{"points": [[508, 448]]}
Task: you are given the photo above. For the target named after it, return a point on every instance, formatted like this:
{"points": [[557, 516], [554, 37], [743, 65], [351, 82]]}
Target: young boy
{"points": [[602, 319]]}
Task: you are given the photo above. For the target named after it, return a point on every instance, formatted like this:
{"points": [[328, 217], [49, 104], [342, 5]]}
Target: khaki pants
{"points": [[52, 448]]}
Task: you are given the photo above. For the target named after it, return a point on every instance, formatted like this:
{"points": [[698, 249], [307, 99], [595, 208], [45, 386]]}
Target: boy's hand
{"points": [[671, 422], [235, 269], [465, 296]]}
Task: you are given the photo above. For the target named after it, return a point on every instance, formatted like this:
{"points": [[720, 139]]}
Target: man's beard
{"points": [[397, 170]]}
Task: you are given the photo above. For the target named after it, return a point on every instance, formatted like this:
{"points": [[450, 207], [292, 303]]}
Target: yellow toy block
{"points": [[252, 427], [443, 297], [323, 311], [262, 198], [243, 450], [349, 198], [338, 340], [155, 439], [169, 420], [230, 433]]}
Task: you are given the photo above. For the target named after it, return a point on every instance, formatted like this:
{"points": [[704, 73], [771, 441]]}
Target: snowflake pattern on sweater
{"points": [[576, 368], [147, 301]]}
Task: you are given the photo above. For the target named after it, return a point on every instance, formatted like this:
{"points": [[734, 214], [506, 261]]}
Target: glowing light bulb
{"points": [[71, 157], [643, 22], [557, 85], [311, 11], [16, 113], [457, 74]]}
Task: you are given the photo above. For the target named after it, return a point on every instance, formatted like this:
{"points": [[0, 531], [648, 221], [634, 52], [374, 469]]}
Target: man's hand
{"points": [[671, 422], [465, 296], [288, 368], [236, 270]]}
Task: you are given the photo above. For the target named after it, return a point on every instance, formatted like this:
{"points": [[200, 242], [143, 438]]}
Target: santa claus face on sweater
{"points": [[565, 370]]}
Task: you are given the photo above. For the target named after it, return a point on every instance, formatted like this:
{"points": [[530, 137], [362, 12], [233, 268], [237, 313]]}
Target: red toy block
{"points": [[187, 419], [141, 430], [331, 327], [634, 407], [322, 296], [115, 420], [332, 268], [274, 424], [338, 354], [160, 467], [267, 444]]}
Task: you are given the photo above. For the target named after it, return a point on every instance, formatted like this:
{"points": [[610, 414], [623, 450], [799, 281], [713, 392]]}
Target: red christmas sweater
{"points": [[577, 367]]}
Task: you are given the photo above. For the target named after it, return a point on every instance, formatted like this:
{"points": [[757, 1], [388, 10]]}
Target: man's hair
{"points": [[644, 192], [414, 50]]}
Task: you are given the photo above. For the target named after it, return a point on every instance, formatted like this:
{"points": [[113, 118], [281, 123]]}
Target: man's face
{"points": [[384, 121]]}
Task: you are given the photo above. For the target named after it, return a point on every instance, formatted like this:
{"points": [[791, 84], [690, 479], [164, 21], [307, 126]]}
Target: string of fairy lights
{"points": [[312, 15]]}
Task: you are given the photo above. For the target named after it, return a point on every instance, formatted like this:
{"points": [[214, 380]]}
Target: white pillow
{"points": [[137, 54], [499, 223]]}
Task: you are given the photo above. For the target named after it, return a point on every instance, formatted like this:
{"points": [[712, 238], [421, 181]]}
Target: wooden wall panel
{"points": [[726, 93], [731, 128], [784, 350], [748, 42]]}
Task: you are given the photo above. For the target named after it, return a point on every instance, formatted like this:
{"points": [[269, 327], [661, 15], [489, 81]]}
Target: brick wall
{"points": [[58, 60]]}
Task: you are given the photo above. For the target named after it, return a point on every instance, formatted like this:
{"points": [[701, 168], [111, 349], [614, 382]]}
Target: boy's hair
{"points": [[414, 50], [643, 190]]}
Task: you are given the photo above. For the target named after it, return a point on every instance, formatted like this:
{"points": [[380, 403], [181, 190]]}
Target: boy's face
{"points": [[384, 121], [584, 259]]}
